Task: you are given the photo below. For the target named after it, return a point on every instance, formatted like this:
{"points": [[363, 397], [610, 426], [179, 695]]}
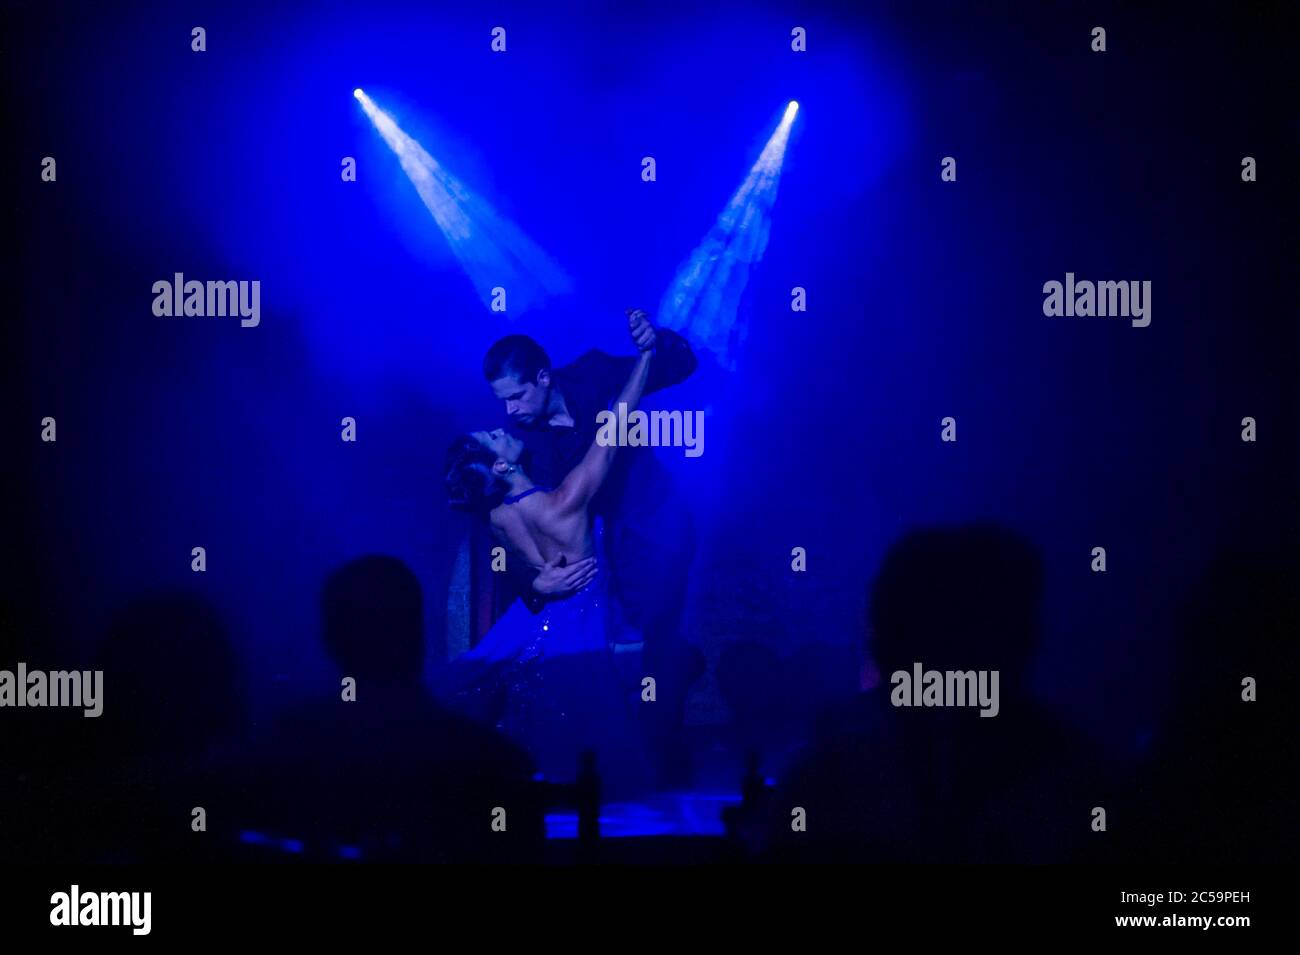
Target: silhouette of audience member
{"points": [[28, 743], [942, 783], [122, 785], [390, 775], [1219, 787]]}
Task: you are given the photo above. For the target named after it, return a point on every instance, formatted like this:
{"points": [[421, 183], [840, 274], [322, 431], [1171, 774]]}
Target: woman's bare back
{"points": [[542, 531]]}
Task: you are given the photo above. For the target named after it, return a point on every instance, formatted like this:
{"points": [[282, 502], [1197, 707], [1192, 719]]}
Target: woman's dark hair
{"points": [[471, 483]]}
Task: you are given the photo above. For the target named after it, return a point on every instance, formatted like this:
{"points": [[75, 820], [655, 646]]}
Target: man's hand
{"points": [[640, 328], [555, 578]]}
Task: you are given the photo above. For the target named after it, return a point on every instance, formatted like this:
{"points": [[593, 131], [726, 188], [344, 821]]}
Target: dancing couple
{"points": [[598, 548]]}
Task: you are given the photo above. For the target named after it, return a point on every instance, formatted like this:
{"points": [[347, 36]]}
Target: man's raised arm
{"points": [[674, 362]]}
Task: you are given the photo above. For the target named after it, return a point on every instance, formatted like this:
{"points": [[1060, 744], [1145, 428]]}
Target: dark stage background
{"points": [[924, 301]]}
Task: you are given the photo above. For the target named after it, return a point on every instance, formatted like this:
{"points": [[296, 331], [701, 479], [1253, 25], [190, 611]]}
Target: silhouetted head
{"points": [[957, 598], [372, 619], [477, 469], [519, 371]]}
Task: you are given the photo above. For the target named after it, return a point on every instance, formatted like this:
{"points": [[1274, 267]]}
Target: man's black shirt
{"points": [[638, 499]]}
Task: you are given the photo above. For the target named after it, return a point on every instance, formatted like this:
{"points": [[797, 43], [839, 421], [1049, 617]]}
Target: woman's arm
{"points": [[581, 484]]}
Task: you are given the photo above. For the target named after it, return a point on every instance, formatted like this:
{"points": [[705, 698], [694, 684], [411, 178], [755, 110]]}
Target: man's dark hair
{"points": [[516, 355]]}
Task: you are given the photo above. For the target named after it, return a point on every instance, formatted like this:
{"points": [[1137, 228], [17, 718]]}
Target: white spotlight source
{"points": [[357, 93]]}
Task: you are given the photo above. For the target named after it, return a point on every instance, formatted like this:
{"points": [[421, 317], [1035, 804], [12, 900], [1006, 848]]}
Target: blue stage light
{"points": [[493, 251], [703, 300]]}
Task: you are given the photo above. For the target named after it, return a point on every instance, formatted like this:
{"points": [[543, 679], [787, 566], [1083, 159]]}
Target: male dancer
{"points": [[649, 535]]}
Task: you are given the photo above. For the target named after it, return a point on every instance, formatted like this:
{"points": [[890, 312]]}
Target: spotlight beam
{"points": [[704, 297], [494, 252]]}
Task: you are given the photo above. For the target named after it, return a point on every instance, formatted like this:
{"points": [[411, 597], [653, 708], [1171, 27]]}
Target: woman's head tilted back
{"points": [[477, 469]]}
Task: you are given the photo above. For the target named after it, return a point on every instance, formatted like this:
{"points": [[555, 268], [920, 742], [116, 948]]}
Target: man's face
{"points": [[525, 401]]}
